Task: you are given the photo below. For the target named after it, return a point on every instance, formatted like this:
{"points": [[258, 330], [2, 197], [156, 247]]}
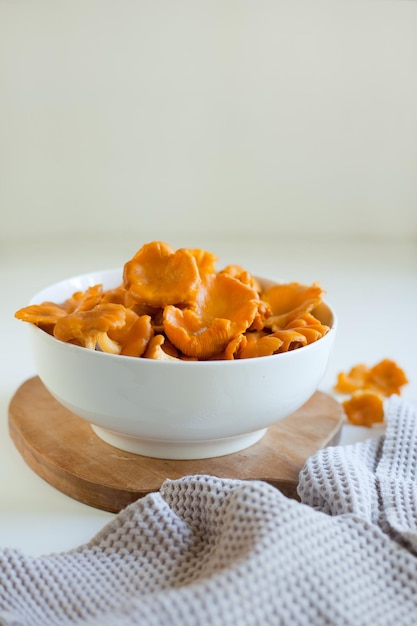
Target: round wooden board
{"points": [[63, 449]]}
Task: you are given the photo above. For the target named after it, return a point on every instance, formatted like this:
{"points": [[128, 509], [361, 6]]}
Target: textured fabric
{"points": [[207, 551]]}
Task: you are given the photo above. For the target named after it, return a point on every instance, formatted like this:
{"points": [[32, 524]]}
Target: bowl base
{"points": [[178, 450], [64, 451]]}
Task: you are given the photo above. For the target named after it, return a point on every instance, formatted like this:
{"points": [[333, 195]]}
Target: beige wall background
{"points": [[232, 118]]}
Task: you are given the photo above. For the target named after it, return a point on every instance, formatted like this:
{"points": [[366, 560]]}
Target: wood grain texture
{"points": [[63, 449]]}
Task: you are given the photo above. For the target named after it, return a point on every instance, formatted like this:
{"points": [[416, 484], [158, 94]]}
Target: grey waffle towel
{"points": [[206, 551]]}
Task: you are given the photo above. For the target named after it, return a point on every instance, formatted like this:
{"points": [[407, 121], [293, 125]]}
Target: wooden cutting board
{"points": [[63, 449]]}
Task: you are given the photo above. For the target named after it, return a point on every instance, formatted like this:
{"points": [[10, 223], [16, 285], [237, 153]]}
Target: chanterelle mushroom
{"points": [[90, 328]]}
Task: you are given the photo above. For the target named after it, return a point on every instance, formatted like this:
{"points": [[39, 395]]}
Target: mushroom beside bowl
{"points": [[176, 409]]}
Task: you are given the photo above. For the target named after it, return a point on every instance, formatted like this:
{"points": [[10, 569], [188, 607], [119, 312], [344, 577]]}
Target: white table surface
{"points": [[372, 287]]}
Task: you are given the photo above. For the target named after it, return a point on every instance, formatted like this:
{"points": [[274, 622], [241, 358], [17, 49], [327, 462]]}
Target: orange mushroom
{"points": [[188, 333], [259, 344], [290, 339], [364, 408], [43, 315], [308, 326], [84, 300], [308, 319], [223, 309], [90, 328], [120, 295], [133, 337], [262, 314], [243, 275], [385, 377], [48, 313], [353, 380], [157, 275], [155, 350], [289, 301], [233, 348], [222, 296], [206, 261]]}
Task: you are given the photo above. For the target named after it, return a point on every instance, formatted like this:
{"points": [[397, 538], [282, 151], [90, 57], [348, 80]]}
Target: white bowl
{"points": [[170, 409]]}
